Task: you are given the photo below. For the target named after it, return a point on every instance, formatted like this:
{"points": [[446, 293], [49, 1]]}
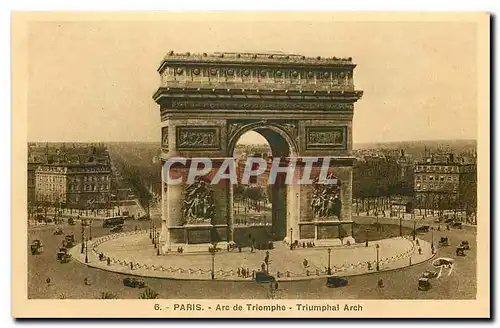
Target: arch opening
{"points": [[261, 210]]}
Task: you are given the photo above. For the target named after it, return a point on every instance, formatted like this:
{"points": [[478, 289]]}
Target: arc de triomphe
{"points": [[302, 106]]}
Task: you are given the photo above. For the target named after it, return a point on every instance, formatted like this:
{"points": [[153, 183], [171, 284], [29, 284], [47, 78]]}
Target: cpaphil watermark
{"points": [[285, 169]]}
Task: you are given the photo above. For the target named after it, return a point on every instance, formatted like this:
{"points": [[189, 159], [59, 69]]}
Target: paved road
{"points": [[67, 280]]}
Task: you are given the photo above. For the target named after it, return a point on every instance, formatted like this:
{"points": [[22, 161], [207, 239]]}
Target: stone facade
{"points": [[302, 106], [73, 185]]}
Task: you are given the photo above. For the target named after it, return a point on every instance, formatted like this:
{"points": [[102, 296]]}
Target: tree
{"points": [[149, 294], [107, 296]]}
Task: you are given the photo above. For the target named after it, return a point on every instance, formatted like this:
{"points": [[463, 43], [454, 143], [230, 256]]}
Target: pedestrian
{"points": [[131, 265], [253, 274], [420, 251], [239, 272], [380, 283], [109, 261], [247, 272]]}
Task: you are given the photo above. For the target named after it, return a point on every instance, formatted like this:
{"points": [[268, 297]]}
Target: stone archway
{"points": [[282, 142], [302, 106]]}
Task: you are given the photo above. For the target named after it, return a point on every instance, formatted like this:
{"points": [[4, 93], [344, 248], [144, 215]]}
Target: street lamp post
{"points": [[90, 228], [377, 247], [291, 238], [86, 250], [414, 230], [150, 228], [432, 238], [154, 233], [213, 265], [329, 266], [400, 226], [83, 240]]}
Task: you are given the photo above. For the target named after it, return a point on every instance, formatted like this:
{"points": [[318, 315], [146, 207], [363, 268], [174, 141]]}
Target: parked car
{"points": [[448, 221], [65, 258], [71, 221], [424, 284], [465, 245], [334, 282], [36, 247], [423, 229], [444, 241], [61, 253], [263, 277], [58, 232], [134, 283], [117, 229], [460, 251], [457, 225], [69, 241], [429, 274]]}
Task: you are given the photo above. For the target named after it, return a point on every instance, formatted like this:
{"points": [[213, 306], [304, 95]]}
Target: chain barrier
{"points": [[232, 272]]}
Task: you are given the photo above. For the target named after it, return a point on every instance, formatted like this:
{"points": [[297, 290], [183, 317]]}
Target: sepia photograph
{"points": [[288, 165]]}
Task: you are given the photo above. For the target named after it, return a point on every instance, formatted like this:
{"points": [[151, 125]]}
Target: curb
{"points": [[304, 278]]}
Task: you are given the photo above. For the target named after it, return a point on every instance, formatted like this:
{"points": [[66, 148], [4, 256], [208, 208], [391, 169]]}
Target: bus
{"points": [[113, 221]]}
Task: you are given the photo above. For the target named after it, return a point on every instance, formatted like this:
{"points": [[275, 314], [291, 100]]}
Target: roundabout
{"points": [[133, 253]]}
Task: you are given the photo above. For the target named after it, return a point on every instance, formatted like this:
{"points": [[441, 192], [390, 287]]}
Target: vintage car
{"points": [[69, 241], [36, 247], [117, 229], [460, 251], [71, 221], [423, 229], [334, 282], [263, 277], [65, 258], [465, 245], [429, 274], [61, 253], [456, 225], [448, 221], [443, 241], [134, 283], [58, 232], [424, 284], [443, 262]]}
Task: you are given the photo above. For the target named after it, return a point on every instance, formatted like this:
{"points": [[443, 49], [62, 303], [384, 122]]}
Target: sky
{"points": [[94, 80]]}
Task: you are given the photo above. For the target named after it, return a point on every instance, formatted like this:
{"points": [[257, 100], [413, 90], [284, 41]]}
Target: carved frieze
{"points": [[268, 105], [326, 137], [326, 200], [198, 206], [198, 137]]}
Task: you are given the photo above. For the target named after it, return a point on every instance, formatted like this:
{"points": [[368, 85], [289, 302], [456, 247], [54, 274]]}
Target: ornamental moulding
{"points": [[192, 104]]}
